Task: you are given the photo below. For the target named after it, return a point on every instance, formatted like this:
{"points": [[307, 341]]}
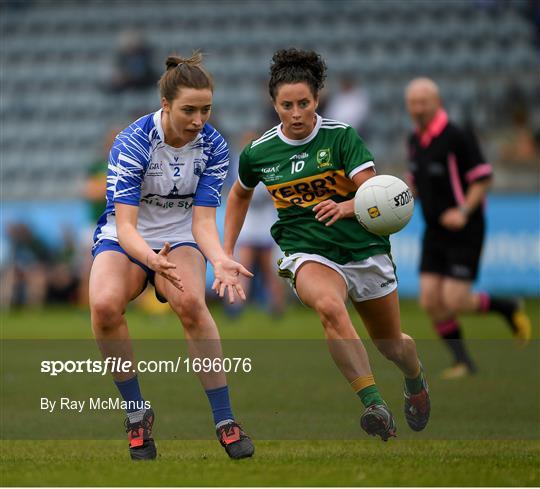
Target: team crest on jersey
{"points": [[198, 167], [323, 158]]}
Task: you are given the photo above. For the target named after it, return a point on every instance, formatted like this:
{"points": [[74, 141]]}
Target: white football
{"points": [[383, 204]]}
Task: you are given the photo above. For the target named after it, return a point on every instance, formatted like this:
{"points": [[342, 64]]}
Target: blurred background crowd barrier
{"points": [[73, 71]]}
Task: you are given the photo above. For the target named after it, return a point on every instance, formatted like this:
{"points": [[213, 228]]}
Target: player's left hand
{"points": [[333, 211], [453, 219], [227, 277]]}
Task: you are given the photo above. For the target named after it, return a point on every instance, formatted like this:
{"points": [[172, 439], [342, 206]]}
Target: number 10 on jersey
{"points": [[297, 166]]}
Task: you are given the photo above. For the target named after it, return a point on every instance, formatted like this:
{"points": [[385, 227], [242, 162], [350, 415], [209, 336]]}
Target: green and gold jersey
{"points": [[299, 174]]}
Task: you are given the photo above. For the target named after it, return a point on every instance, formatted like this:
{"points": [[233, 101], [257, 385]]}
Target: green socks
{"points": [[414, 386], [370, 395]]}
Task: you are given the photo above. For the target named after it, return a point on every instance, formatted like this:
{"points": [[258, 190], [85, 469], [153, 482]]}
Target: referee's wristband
{"points": [[466, 211]]}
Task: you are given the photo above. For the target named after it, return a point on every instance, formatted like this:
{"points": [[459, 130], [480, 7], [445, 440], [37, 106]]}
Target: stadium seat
{"points": [[59, 58]]}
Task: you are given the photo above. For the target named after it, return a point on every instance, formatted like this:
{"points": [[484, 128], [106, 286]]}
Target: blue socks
{"points": [[220, 403], [219, 399], [131, 392]]}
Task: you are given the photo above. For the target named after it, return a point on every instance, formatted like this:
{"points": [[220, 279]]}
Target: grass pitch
{"points": [[276, 463], [449, 454]]}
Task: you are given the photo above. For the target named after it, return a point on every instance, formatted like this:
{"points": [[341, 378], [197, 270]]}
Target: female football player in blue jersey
{"points": [[164, 183], [312, 167]]}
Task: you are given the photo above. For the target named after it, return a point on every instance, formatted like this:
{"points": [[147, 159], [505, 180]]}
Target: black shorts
{"points": [[452, 254]]}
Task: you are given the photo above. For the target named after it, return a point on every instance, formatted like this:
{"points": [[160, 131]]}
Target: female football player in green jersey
{"points": [[312, 167]]}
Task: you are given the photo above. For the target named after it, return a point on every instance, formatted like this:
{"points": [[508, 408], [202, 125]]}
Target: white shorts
{"points": [[367, 279]]}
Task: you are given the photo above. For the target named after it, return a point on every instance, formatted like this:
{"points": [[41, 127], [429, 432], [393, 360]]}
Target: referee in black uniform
{"points": [[451, 178]]}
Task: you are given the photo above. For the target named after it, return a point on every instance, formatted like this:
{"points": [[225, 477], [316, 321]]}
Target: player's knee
{"points": [[331, 310], [107, 312], [190, 308]]}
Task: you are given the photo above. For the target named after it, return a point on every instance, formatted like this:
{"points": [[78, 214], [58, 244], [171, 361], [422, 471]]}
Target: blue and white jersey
{"points": [[164, 182]]}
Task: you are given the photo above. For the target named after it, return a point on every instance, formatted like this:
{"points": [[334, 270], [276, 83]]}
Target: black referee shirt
{"points": [[443, 162]]}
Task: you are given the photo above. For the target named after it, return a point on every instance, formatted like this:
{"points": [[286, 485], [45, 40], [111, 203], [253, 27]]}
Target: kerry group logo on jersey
{"points": [[308, 191]]}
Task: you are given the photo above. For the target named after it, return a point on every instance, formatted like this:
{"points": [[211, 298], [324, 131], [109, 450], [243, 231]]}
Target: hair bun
{"points": [[183, 72], [172, 62], [294, 57], [194, 60]]}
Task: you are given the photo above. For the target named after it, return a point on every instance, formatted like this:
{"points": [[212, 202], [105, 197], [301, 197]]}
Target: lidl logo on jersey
{"points": [[323, 158]]}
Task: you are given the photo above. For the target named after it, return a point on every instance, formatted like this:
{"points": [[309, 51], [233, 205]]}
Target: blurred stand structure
{"points": [[56, 57], [59, 55], [133, 64]]}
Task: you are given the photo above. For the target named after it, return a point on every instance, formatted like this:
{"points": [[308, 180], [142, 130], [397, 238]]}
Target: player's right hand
{"points": [[227, 278], [159, 263]]}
